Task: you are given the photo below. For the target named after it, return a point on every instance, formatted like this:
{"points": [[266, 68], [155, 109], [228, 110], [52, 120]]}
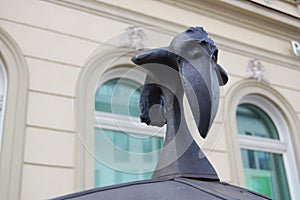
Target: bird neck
{"points": [[176, 123], [181, 156]]}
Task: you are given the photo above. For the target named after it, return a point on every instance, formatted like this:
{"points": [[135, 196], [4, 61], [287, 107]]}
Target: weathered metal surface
{"points": [[168, 189], [187, 66]]}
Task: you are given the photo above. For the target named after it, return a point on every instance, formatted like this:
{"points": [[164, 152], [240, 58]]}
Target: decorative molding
{"points": [[281, 8], [131, 17], [247, 13], [295, 3], [251, 51], [256, 71], [120, 14], [133, 37]]}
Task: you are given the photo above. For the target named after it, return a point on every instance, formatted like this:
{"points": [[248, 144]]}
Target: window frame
{"points": [[280, 146], [273, 103], [120, 123], [2, 97]]}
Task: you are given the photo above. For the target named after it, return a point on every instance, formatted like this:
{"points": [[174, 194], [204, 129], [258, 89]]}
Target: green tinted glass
{"points": [[123, 157], [118, 96], [253, 121], [265, 174]]}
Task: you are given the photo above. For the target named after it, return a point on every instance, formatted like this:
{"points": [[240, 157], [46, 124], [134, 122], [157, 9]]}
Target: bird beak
{"points": [[202, 94], [160, 56]]}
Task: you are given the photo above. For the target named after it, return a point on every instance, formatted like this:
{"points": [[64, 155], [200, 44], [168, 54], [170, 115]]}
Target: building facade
{"points": [[69, 93]]}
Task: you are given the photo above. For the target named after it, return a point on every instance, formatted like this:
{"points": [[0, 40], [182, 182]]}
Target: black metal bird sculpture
{"points": [[187, 66]]}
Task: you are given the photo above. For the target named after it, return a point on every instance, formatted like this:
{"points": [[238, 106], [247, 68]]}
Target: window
{"points": [[125, 150], [263, 162], [274, 144], [2, 96], [104, 71]]}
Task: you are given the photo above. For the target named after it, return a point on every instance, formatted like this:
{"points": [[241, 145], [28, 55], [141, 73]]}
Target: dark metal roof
{"points": [[166, 189]]}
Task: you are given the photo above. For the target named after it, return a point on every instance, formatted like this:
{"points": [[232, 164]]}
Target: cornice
{"points": [[206, 8], [120, 14], [240, 48], [245, 14]]}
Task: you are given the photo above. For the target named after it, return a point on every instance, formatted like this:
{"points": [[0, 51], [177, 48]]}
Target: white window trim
{"points": [[2, 97], [288, 132], [126, 124], [262, 144], [125, 72]]}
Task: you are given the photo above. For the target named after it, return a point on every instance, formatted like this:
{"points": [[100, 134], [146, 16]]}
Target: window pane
{"points": [[122, 157], [118, 96], [253, 121], [265, 174]]}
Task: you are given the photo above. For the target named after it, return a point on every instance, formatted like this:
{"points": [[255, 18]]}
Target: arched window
{"points": [[106, 117], [263, 132], [125, 150], [262, 152]]}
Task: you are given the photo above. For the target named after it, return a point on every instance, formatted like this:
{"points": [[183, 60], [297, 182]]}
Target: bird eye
{"points": [[203, 42]]}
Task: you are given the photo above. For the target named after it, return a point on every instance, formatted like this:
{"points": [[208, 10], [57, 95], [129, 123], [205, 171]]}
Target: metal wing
{"points": [[152, 110]]}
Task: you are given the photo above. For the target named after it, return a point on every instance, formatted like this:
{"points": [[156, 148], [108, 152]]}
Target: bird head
{"points": [[194, 56]]}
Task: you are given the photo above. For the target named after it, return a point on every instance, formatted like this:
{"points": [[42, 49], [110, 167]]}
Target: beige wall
{"points": [[57, 37]]}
